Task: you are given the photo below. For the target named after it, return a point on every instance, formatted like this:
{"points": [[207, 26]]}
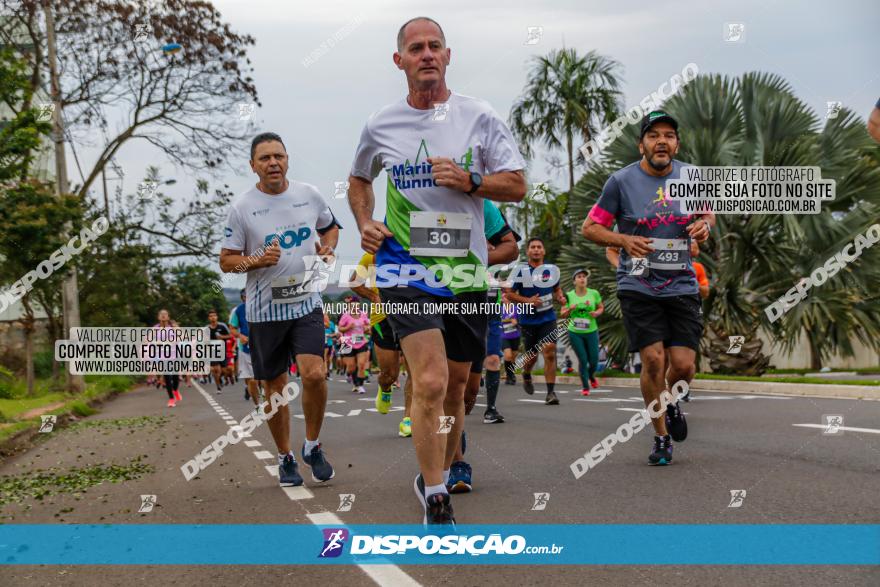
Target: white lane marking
{"points": [[482, 406], [600, 391], [534, 401], [390, 575], [383, 575], [265, 454], [335, 415], [844, 428], [608, 400], [391, 409], [355, 413], [335, 401], [254, 444], [642, 410], [297, 493]]}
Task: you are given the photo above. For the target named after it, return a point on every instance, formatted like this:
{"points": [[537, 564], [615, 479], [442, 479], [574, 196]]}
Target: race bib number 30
{"points": [[439, 234]]}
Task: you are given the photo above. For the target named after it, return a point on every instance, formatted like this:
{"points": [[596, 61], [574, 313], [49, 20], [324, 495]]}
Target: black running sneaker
{"points": [[510, 381], [551, 399], [491, 416], [675, 422], [662, 453], [439, 510], [528, 386], [321, 469], [288, 473]]}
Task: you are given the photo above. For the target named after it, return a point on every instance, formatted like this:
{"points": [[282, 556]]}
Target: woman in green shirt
{"points": [[582, 307]]}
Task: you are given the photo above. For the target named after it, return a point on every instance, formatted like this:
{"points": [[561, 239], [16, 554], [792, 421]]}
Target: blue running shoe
{"points": [[321, 469], [459, 478], [288, 472]]}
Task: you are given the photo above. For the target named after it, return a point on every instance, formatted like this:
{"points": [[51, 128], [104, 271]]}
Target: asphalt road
{"points": [[791, 474]]}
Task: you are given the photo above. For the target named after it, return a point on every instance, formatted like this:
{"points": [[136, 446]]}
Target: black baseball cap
{"points": [[653, 118]]}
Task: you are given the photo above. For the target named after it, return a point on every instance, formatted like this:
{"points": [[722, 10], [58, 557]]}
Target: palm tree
{"points": [[753, 260], [567, 97]]}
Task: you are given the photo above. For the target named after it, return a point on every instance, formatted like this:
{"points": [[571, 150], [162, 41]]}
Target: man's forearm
{"points": [[360, 199], [517, 298], [330, 238], [235, 262], [603, 236], [506, 186], [505, 252]]}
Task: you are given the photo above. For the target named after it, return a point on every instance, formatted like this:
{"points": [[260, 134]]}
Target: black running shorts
{"points": [[464, 335], [383, 336], [275, 344], [534, 334], [673, 320]]}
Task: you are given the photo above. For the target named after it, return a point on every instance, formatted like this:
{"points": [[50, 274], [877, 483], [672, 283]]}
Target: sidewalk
{"points": [[757, 387]]}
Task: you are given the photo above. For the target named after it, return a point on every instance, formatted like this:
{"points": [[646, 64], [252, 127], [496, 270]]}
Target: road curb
{"points": [[757, 387]]}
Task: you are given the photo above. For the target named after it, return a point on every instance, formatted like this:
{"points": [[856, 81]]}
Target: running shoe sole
{"points": [[459, 487], [419, 488], [498, 419], [529, 387]]}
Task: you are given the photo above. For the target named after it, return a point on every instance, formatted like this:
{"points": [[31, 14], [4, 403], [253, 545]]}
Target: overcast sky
{"points": [[826, 51]]}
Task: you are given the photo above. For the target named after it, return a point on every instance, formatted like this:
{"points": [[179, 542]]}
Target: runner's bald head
{"points": [[401, 34]]}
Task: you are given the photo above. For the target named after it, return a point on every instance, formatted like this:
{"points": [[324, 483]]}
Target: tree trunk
{"points": [[569, 148], [69, 290], [815, 356], [28, 324]]}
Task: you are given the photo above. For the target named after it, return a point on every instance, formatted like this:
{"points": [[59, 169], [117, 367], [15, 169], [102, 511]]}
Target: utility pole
{"points": [[69, 289]]}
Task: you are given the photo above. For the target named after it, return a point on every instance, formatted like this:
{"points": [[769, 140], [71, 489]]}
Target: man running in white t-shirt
{"points": [[272, 231], [443, 153]]}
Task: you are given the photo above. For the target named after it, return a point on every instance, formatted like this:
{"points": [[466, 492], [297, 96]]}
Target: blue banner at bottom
{"points": [[607, 544]]}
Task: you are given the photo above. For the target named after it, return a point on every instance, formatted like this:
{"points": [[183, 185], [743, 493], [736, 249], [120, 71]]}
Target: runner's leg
{"points": [[314, 393], [592, 340], [579, 345], [453, 405], [430, 377], [652, 381], [279, 424]]}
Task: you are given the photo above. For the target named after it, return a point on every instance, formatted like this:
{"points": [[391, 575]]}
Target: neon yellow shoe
{"points": [[383, 401], [405, 428]]}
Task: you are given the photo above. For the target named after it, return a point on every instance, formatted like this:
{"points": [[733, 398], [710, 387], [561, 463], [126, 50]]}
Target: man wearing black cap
{"points": [[656, 283]]}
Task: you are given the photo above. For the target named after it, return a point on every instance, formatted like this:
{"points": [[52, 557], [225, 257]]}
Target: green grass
{"points": [[717, 377], [46, 393], [13, 408], [860, 371], [816, 380]]}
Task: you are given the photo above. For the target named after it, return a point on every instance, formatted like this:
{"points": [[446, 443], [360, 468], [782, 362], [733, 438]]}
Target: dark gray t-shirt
{"points": [[637, 203]]}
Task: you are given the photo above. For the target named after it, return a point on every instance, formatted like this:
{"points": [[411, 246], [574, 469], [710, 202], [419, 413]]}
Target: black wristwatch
{"points": [[476, 182]]}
